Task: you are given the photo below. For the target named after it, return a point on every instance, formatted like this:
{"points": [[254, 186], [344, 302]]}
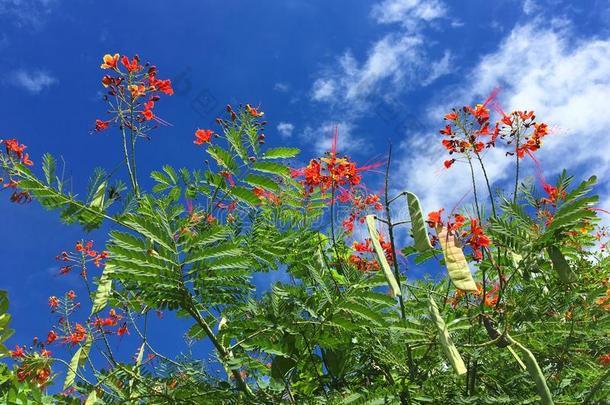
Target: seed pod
{"points": [[443, 335], [560, 264], [385, 266], [418, 225], [456, 263], [535, 372]]}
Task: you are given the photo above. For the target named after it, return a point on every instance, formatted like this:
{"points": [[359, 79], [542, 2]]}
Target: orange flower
{"points": [[45, 353], [122, 330], [435, 218], [202, 136], [133, 65], [51, 336], [136, 90], [452, 116], [71, 294], [17, 353], [101, 125], [253, 111], [110, 61], [53, 302]]}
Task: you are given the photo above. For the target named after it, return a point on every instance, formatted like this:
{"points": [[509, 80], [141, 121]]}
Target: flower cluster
{"points": [[112, 320], [489, 300], [14, 151], [362, 260], [359, 206], [84, 254], [470, 130], [604, 301], [266, 196], [35, 366], [132, 93]]}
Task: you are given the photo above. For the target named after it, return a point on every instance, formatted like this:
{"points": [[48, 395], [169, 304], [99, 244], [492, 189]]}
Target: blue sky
{"points": [[384, 70]]}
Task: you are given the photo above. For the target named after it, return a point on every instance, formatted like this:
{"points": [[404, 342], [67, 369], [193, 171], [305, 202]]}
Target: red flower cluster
{"points": [[265, 196], [86, 254], [361, 259], [464, 131], [467, 126], [604, 360], [604, 301], [477, 239], [137, 89], [202, 136], [359, 207], [112, 320], [16, 150], [79, 334]]}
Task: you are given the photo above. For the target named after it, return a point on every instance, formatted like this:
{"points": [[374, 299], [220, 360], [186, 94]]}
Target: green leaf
{"points": [[262, 182], [385, 266], [271, 168], [455, 261], [71, 370], [281, 153], [443, 334], [48, 167], [223, 158], [104, 287], [245, 195], [560, 264], [418, 225]]}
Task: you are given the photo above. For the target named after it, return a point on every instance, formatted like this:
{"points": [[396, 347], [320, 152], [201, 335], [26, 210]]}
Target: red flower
{"points": [[605, 359], [71, 295], [45, 353], [51, 336], [122, 330], [435, 218], [101, 125], [448, 163], [79, 335], [452, 116], [53, 302], [253, 111], [110, 61], [202, 136], [164, 86], [133, 65], [446, 130], [17, 353]]}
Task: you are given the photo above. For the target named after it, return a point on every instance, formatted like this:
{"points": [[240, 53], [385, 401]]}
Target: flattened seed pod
{"points": [[443, 335], [456, 263], [385, 266], [535, 372], [418, 225]]}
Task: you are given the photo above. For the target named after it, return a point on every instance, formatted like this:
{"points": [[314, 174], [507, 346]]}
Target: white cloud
{"points": [[32, 81], [410, 13], [530, 7], [565, 80], [26, 13], [321, 137], [323, 89], [396, 61], [281, 87], [285, 129], [440, 68]]}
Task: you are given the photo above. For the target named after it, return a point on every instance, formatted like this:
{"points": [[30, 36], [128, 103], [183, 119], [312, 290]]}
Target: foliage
{"points": [[520, 315]]}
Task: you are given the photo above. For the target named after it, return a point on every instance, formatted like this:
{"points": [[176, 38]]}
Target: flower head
{"points": [[110, 61]]}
